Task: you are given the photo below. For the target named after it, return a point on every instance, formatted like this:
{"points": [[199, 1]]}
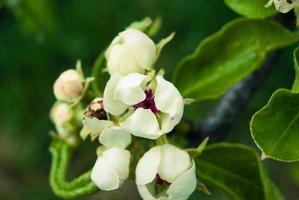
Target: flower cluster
{"points": [[136, 102]]}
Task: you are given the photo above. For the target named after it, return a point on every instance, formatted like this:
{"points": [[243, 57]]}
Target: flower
{"points": [[96, 124], [282, 6], [69, 86], [61, 115], [131, 51], [149, 108], [166, 172], [111, 168]]}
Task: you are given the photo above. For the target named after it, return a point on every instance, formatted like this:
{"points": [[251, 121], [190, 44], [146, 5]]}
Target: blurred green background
{"points": [[41, 38]]}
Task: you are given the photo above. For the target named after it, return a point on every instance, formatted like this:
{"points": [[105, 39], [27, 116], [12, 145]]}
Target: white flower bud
{"points": [[69, 86], [131, 51], [170, 170], [111, 168], [282, 6], [61, 115]]}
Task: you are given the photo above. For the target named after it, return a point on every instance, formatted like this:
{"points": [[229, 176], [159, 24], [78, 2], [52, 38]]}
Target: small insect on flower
{"points": [[149, 107], [166, 172], [282, 6]]}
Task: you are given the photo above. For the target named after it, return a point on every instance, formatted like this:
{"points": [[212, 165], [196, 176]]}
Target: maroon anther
{"points": [[148, 102], [160, 181]]}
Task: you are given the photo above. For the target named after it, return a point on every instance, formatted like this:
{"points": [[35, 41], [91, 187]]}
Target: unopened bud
{"points": [[131, 51], [69, 86], [61, 115]]}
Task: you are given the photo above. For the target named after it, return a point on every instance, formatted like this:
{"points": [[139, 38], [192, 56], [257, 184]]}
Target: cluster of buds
{"points": [[136, 102], [68, 89]]}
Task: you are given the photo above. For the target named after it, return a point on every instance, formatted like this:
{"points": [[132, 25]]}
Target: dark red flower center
{"points": [[148, 102], [160, 181]]}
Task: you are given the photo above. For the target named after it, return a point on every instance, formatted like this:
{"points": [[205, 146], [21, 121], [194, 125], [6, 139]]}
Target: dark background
{"points": [[41, 38]]}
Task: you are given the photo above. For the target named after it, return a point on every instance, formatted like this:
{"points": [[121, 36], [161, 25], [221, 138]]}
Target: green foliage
{"points": [[237, 171], [275, 127], [254, 9], [296, 10], [295, 87], [229, 55], [61, 155]]}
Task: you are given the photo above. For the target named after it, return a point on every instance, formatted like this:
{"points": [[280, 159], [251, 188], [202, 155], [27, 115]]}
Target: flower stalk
{"points": [[61, 155]]}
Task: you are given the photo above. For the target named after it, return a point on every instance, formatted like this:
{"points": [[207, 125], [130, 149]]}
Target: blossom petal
{"points": [[96, 125], [168, 122], [104, 176], [174, 162], [130, 88], [183, 186], [145, 193], [115, 41], [112, 105], [128, 63], [170, 102], [167, 97], [113, 58], [115, 137], [119, 160], [142, 123], [141, 46], [147, 167]]}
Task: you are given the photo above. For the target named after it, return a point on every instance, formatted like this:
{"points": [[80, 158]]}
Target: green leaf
{"points": [[61, 155], [228, 56], [295, 87], [254, 9], [275, 128], [237, 171]]}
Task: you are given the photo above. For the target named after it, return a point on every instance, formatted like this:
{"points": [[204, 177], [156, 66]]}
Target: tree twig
{"points": [[227, 110]]}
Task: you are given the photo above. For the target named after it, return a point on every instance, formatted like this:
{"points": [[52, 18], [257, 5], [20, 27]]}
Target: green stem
{"points": [[80, 186], [162, 140]]}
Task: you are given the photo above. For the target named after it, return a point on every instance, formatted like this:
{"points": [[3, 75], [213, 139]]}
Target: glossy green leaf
{"points": [[275, 128], [295, 87], [254, 9], [229, 55], [237, 171]]}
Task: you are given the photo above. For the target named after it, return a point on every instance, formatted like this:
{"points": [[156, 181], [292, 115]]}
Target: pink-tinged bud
{"points": [[69, 86], [61, 114]]}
